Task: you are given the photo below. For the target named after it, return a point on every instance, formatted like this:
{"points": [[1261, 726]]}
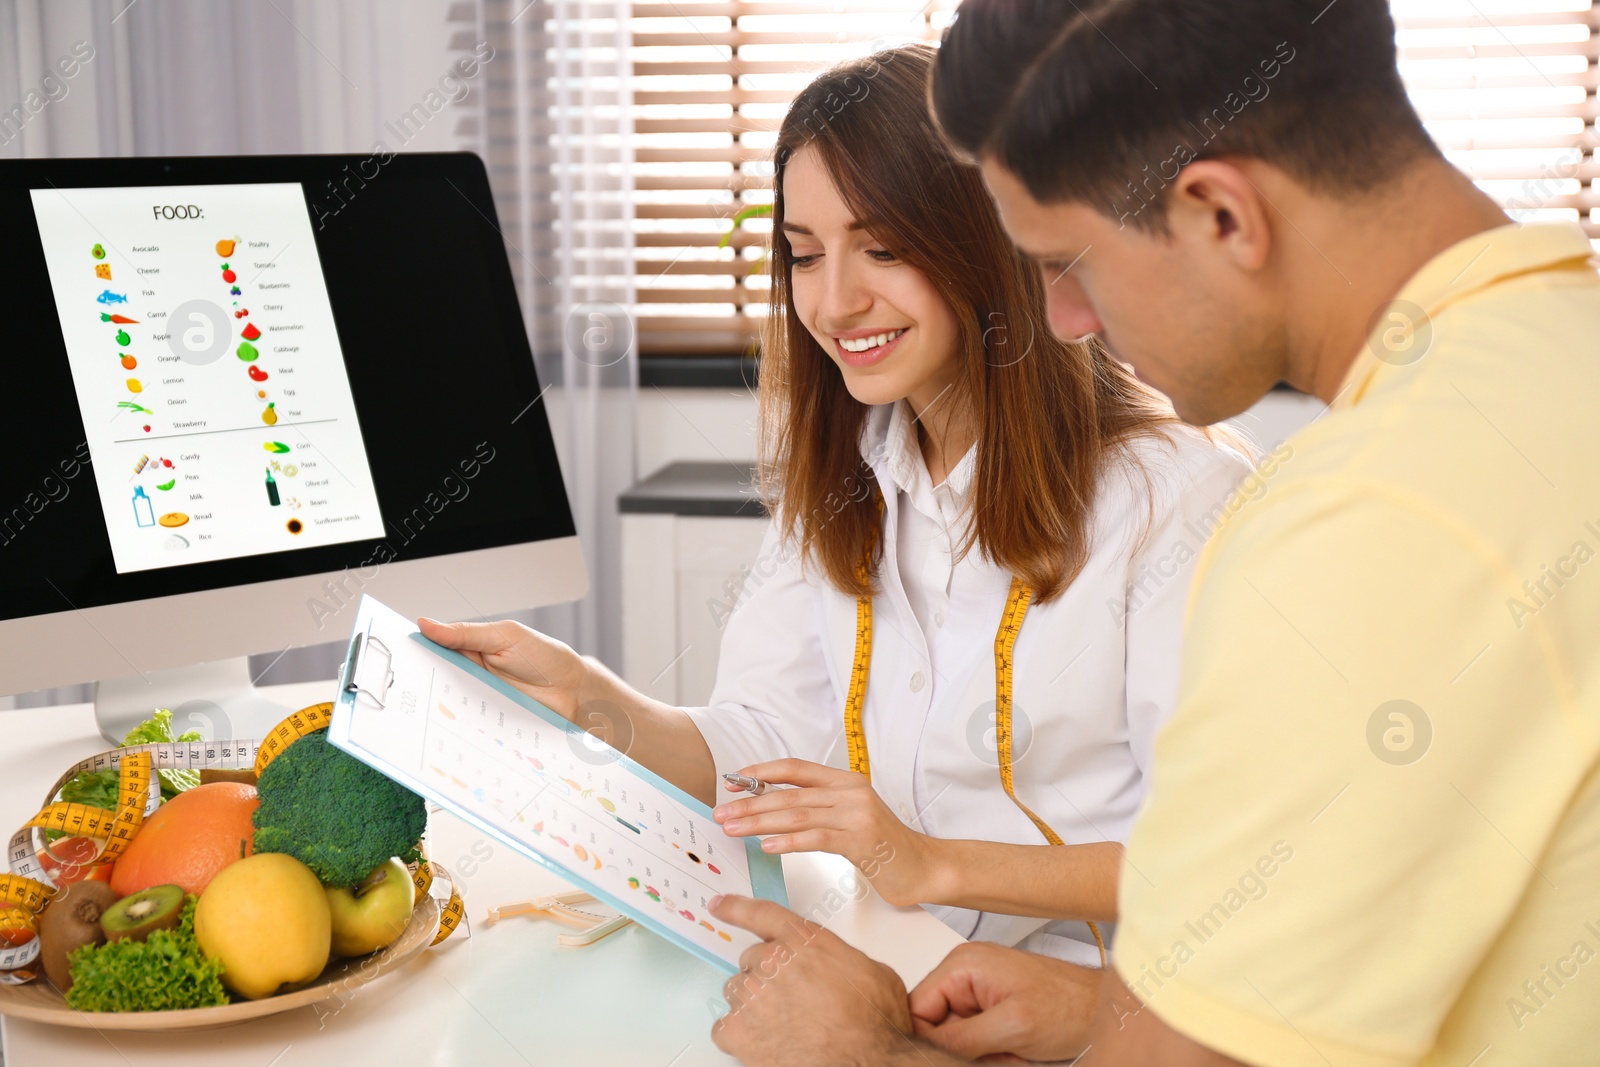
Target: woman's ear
{"points": [[1215, 207]]}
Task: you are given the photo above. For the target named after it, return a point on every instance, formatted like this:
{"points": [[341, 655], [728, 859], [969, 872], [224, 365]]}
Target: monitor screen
{"points": [[244, 369]]}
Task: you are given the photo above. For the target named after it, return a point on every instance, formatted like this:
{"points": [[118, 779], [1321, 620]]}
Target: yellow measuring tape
{"points": [[303, 722], [1005, 641], [30, 883]]}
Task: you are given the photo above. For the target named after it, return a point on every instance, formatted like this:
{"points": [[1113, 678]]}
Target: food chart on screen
{"points": [[208, 371]]}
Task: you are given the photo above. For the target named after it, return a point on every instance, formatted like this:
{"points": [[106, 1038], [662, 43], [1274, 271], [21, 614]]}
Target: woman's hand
{"points": [[544, 668], [839, 812]]}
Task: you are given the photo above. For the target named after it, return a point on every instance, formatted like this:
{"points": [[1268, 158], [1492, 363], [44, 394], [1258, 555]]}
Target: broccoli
{"points": [[335, 814]]}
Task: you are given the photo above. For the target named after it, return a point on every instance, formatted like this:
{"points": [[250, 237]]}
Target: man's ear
{"points": [[1215, 203]]}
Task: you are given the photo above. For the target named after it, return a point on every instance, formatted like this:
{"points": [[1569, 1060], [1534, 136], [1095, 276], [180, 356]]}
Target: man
{"points": [[1373, 831]]}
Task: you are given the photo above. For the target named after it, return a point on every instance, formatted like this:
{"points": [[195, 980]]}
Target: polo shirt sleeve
{"points": [[774, 695], [1367, 760]]}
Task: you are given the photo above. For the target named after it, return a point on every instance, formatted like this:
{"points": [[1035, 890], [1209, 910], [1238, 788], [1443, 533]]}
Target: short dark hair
{"points": [[1104, 101]]}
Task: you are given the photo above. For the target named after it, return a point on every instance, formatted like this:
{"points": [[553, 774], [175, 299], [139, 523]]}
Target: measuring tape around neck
{"points": [[1005, 641]]}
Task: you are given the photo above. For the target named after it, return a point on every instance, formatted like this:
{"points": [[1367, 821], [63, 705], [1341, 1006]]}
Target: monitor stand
{"points": [[218, 699]]}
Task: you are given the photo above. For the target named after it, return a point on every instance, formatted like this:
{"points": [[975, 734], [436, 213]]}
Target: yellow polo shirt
{"points": [[1372, 836]]}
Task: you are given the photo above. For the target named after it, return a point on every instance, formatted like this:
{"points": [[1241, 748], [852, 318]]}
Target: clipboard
{"points": [[453, 732]]}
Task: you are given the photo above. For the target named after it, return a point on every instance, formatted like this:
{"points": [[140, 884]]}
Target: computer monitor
{"points": [[239, 393]]}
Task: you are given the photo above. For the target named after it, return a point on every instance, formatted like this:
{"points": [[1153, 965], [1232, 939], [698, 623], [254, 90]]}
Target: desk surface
{"points": [[508, 994]]}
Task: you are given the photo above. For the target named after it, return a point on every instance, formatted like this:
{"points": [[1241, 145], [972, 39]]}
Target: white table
{"points": [[507, 995]]}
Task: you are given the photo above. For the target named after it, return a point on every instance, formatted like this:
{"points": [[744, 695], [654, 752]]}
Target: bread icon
{"points": [[173, 518]]}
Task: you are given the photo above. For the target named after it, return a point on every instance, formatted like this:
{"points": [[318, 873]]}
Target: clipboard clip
{"points": [[357, 661]]}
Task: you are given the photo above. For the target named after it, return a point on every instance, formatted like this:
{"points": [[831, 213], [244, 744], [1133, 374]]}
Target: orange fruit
{"points": [[187, 840]]}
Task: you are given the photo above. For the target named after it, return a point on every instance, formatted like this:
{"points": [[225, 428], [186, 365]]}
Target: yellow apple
{"points": [[266, 918], [373, 914]]}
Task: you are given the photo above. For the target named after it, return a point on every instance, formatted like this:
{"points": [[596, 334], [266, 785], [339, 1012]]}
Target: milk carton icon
{"points": [[143, 513]]}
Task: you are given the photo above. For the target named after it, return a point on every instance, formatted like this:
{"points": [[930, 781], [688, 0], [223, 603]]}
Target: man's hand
{"points": [[804, 997], [984, 999], [836, 811]]}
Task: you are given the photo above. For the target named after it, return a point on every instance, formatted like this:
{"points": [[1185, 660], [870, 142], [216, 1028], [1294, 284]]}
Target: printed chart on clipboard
{"points": [[453, 732]]}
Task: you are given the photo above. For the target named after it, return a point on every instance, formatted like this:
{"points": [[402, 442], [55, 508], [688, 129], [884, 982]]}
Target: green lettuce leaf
{"points": [[165, 972]]}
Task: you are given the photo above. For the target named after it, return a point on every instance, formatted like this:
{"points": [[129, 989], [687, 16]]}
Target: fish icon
{"points": [[108, 297]]}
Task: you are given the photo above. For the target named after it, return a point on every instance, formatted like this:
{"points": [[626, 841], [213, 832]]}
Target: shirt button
{"points": [[938, 618], [917, 682]]}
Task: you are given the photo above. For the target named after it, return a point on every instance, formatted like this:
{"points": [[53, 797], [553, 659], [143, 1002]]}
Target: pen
{"points": [[754, 786]]}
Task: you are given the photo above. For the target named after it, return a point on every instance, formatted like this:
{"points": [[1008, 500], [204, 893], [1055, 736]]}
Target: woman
{"points": [[972, 591]]}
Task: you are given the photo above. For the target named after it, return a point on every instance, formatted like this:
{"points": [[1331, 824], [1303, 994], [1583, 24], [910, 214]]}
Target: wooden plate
{"points": [[40, 1002]]}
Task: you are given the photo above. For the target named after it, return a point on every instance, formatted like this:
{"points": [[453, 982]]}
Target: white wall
{"points": [[694, 424]]}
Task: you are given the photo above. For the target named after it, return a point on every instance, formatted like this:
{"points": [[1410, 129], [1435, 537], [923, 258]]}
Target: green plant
{"points": [[754, 211]]}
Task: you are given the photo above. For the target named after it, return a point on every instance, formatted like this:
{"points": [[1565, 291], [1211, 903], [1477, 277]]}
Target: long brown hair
{"points": [[1047, 412]]}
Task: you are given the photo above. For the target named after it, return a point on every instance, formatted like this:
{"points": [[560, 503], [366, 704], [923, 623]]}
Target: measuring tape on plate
{"points": [[1005, 642], [453, 912], [31, 883], [303, 722]]}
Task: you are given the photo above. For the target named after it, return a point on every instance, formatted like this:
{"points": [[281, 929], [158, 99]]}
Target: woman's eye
{"points": [[883, 256], [804, 261]]}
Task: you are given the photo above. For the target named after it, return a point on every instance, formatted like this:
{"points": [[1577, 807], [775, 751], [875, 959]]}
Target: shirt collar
{"points": [[889, 445], [1459, 272]]}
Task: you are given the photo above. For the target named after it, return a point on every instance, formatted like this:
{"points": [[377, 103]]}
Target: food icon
{"points": [[250, 333], [165, 486], [102, 271], [272, 490], [270, 415], [294, 526], [234, 291], [247, 351], [143, 512], [138, 468], [175, 543], [108, 297], [257, 374], [131, 406], [276, 446], [104, 317], [128, 362], [134, 386], [228, 275], [173, 518], [242, 313], [123, 339], [225, 248], [97, 252]]}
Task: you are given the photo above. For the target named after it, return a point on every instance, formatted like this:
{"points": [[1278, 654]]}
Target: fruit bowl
{"points": [[39, 1001]]}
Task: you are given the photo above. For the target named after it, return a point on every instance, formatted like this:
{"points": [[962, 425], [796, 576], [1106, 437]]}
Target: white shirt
{"points": [[1095, 671]]}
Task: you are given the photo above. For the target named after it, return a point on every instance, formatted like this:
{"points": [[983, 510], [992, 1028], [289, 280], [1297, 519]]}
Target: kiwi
{"points": [[70, 921], [136, 917]]}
